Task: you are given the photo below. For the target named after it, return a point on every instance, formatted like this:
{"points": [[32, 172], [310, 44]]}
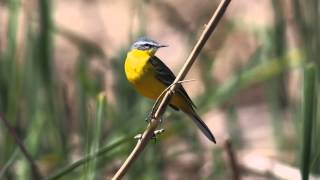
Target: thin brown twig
{"points": [[148, 133], [233, 161], [155, 105], [34, 168]]}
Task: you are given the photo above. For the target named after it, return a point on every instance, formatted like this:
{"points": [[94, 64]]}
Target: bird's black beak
{"points": [[161, 46]]}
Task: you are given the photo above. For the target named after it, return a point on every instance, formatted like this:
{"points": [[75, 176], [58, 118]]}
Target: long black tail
{"points": [[202, 126]]}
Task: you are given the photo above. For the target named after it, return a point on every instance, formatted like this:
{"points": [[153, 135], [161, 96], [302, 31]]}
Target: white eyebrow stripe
{"points": [[146, 42]]}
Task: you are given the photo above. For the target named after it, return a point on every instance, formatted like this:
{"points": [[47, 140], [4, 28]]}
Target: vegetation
{"points": [[89, 135]]}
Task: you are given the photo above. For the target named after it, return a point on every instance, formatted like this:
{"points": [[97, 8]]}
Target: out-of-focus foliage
{"points": [[87, 135]]}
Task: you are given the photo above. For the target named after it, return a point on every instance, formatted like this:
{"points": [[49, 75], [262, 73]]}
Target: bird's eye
{"points": [[147, 46]]}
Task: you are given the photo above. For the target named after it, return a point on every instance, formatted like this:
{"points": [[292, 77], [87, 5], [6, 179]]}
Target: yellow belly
{"points": [[141, 75]]}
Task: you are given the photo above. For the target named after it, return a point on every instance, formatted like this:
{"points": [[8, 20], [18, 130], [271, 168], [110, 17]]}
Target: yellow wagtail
{"points": [[150, 77]]}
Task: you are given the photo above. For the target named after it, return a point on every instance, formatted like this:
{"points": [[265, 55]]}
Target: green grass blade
{"points": [[308, 111], [9, 80], [11, 160], [45, 41], [96, 134]]}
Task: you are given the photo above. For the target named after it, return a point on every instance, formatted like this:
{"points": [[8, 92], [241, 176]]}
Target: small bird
{"points": [[150, 77]]}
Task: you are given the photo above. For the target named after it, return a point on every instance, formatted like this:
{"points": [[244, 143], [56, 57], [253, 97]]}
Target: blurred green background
{"points": [[64, 96]]}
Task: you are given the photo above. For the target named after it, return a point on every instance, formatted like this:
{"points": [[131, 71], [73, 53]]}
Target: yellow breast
{"points": [[141, 74], [136, 65]]}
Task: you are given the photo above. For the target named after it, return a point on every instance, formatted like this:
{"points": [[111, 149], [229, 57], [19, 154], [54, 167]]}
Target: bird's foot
{"points": [[149, 117]]}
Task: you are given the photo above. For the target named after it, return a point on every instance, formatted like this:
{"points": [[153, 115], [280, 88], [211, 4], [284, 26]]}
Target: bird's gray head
{"points": [[146, 44]]}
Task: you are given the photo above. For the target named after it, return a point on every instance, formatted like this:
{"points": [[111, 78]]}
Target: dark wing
{"points": [[166, 76]]}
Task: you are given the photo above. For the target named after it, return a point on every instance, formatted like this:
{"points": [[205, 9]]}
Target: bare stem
{"points": [[147, 135], [233, 162], [34, 168]]}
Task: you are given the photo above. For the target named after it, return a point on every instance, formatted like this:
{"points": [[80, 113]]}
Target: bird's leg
{"points": [[150, 116], [157, 103], [152, 112]]}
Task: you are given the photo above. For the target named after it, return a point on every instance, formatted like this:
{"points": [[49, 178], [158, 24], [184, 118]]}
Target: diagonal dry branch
{"points": [[34, 168], [148, 133]]}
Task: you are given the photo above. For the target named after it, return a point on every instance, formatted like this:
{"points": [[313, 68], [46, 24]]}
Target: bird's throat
{"points": [[136, 65]]}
